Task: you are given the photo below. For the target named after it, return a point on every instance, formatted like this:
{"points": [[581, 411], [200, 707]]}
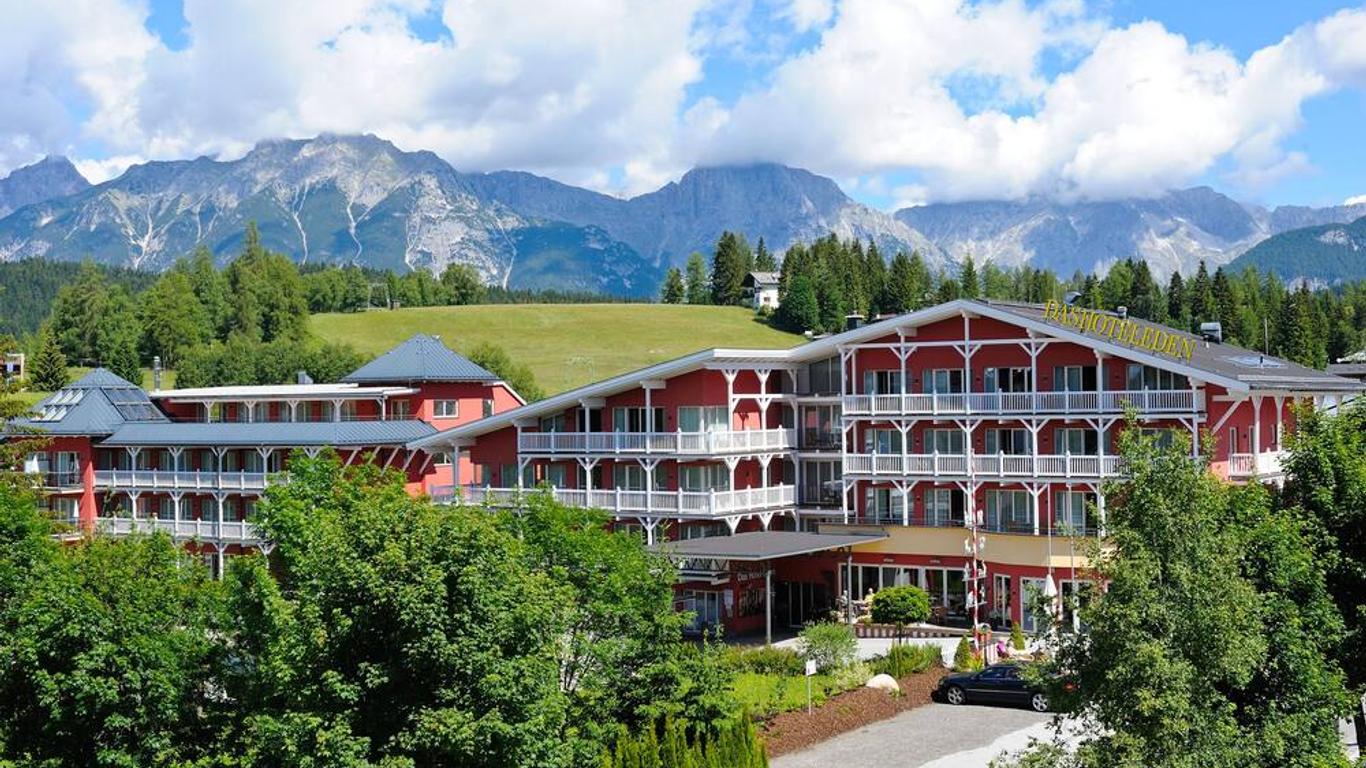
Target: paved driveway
{"points": [[933, 736]]}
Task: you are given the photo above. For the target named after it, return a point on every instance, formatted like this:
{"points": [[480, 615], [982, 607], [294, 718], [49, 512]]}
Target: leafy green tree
{"points": [[1209, 643], [267, 295], [831, 645], [496, 360], [699, 282], [463, 284], [48, 371], [673, 290], [1326, 485], [108, 648], [902, 605], [79, 314], [210, 288], [172, 318], [116, 341]]}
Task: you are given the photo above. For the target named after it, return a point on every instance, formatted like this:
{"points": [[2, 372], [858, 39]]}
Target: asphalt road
{"points": [[933, 736]]}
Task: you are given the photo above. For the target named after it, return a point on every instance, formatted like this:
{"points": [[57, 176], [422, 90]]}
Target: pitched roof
{"points": [[421, 358], [98, 403], [341, 434]]}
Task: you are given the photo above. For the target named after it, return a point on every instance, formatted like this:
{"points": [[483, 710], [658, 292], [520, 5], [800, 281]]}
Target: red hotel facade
{"points": [[963, 445]]}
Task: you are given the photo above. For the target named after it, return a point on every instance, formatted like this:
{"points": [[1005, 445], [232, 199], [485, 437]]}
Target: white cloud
{"points": [[1355, 200], [100, 170], [1142, 111], [948, 95]]}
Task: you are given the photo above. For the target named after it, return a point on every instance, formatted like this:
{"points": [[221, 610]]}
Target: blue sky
{"points": [[901, 101]]}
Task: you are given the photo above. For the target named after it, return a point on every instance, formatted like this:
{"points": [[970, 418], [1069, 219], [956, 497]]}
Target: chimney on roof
{"points": [[156, 372], [302, 377], [853, 321], [1122, 311]]}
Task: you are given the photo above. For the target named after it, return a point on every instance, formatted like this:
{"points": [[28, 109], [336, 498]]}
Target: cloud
{"points": [[1355, 200], [100, 170], [1142, 110], [952, 99]]}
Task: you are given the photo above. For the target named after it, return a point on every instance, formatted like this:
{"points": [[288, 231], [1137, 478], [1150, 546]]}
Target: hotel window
{"points": [[488, 407], [399, 409], [823, 377], [1232, 439], [1012, 442], [821, 482], [1074, 378], [703, 419], [1075, 440], [1069, 511], [1008, 380], [632, 477], [633, 420], [1165, 437], [881, 382], [1009, 511], [445, 409], [553, 423], [944, 380], [556, 476], [882, 504], [441, 459], [348, 410], [944, 441], [64, 507], [882, 441], [1139, 377], [1033, 604], [704, 477], [943, 507]]}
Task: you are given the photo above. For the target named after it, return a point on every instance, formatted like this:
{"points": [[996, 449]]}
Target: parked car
{"points": [[997, 684]]}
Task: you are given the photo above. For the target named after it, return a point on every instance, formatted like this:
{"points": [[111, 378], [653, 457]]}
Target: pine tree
{"points": [[673, 291], [1203, 307], [730, 263], [699, 283], [1178, 310], [48, 370], [763, 259], [1225, 305], [830, 297], [874, 279], [970, 287], [800, 311]]}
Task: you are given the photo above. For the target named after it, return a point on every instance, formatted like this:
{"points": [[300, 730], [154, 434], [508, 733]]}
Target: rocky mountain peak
{"points": [[53, 176]]}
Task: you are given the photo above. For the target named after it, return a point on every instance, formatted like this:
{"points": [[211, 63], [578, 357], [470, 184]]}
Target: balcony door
{"points": [[1008, 380], [637, 419], [711, 418]]}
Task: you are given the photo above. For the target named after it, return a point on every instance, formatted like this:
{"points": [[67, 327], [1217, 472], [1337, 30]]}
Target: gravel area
{"points": [[792, 731]]}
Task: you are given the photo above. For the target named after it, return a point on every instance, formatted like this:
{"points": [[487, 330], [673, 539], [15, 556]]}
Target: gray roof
{"points": [[421, 358], [95, 404], [763, 545], [1254, 369], [309, 433], [767, 278]]}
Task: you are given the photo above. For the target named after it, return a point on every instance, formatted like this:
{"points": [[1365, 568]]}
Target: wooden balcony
{"points": [[1148, 401], [167, 480], [210, 531]]}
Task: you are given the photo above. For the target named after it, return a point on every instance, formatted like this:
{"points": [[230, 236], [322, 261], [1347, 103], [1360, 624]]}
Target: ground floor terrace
{"points": [[756, 583]]}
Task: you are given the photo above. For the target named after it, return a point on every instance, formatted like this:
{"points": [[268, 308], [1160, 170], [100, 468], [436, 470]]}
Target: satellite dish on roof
{"points": [[1071, 297]]}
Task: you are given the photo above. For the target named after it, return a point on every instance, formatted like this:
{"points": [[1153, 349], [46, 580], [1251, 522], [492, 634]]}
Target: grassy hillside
{"points": [[566, 345], [1329, 253]]}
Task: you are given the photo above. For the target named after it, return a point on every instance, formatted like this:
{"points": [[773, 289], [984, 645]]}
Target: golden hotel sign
{"points": [[1124, 331]]}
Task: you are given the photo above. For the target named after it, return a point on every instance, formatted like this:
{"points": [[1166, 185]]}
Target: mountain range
{"points": [[1321, 254], [361, 199]]}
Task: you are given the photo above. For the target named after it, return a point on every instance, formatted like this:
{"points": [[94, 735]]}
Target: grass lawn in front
{"points": [[565, 345], [766, 694]]}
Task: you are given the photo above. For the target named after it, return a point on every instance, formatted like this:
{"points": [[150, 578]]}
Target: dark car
{"points": [[997, 684]]}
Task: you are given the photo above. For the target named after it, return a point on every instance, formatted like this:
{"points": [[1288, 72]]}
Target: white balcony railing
{"points": [[228, 532], [1248, 465], [156, 479], [674, 443], [668, 503], [988, 403], [993, 465]]}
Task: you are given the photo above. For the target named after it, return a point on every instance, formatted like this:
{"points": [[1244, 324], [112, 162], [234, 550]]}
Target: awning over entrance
{"points": [[757, 546], [714, 558]]}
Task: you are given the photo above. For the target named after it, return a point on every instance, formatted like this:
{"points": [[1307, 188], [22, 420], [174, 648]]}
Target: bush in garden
{"points": [[901, 605], [831, 645], [965, 659], [1017, 639], [768, 660], [903, 660], [850, 676]]}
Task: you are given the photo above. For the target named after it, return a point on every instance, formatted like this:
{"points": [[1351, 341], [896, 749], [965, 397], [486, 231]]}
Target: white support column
{"points": [[764, 460], [1256, 431], [251, 412], [1280, 424], [293, 410], [337, 410], [1035, 491], [383, 408], [730, 374], [175, 505]]}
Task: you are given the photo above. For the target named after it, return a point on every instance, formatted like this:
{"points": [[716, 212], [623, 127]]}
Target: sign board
{"points": [[810, 668], [1140, 336]]}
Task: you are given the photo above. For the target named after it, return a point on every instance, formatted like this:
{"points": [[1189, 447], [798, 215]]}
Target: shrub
{"points": [[673, 745], [768, 660], [903, 660], [831, 646], [901, 605], [965, 659], [1017, 640], [850, 676]]}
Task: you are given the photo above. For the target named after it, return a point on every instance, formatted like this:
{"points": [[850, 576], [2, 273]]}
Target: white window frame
{"points": [[445, 409], [932, 439], [943, 381]]}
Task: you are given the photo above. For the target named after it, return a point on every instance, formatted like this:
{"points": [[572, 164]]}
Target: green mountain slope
{"points": [[1329, 253]]}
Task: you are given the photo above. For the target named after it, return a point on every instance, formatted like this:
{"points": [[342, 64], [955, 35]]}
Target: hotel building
{"points": [[963, 448]]}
